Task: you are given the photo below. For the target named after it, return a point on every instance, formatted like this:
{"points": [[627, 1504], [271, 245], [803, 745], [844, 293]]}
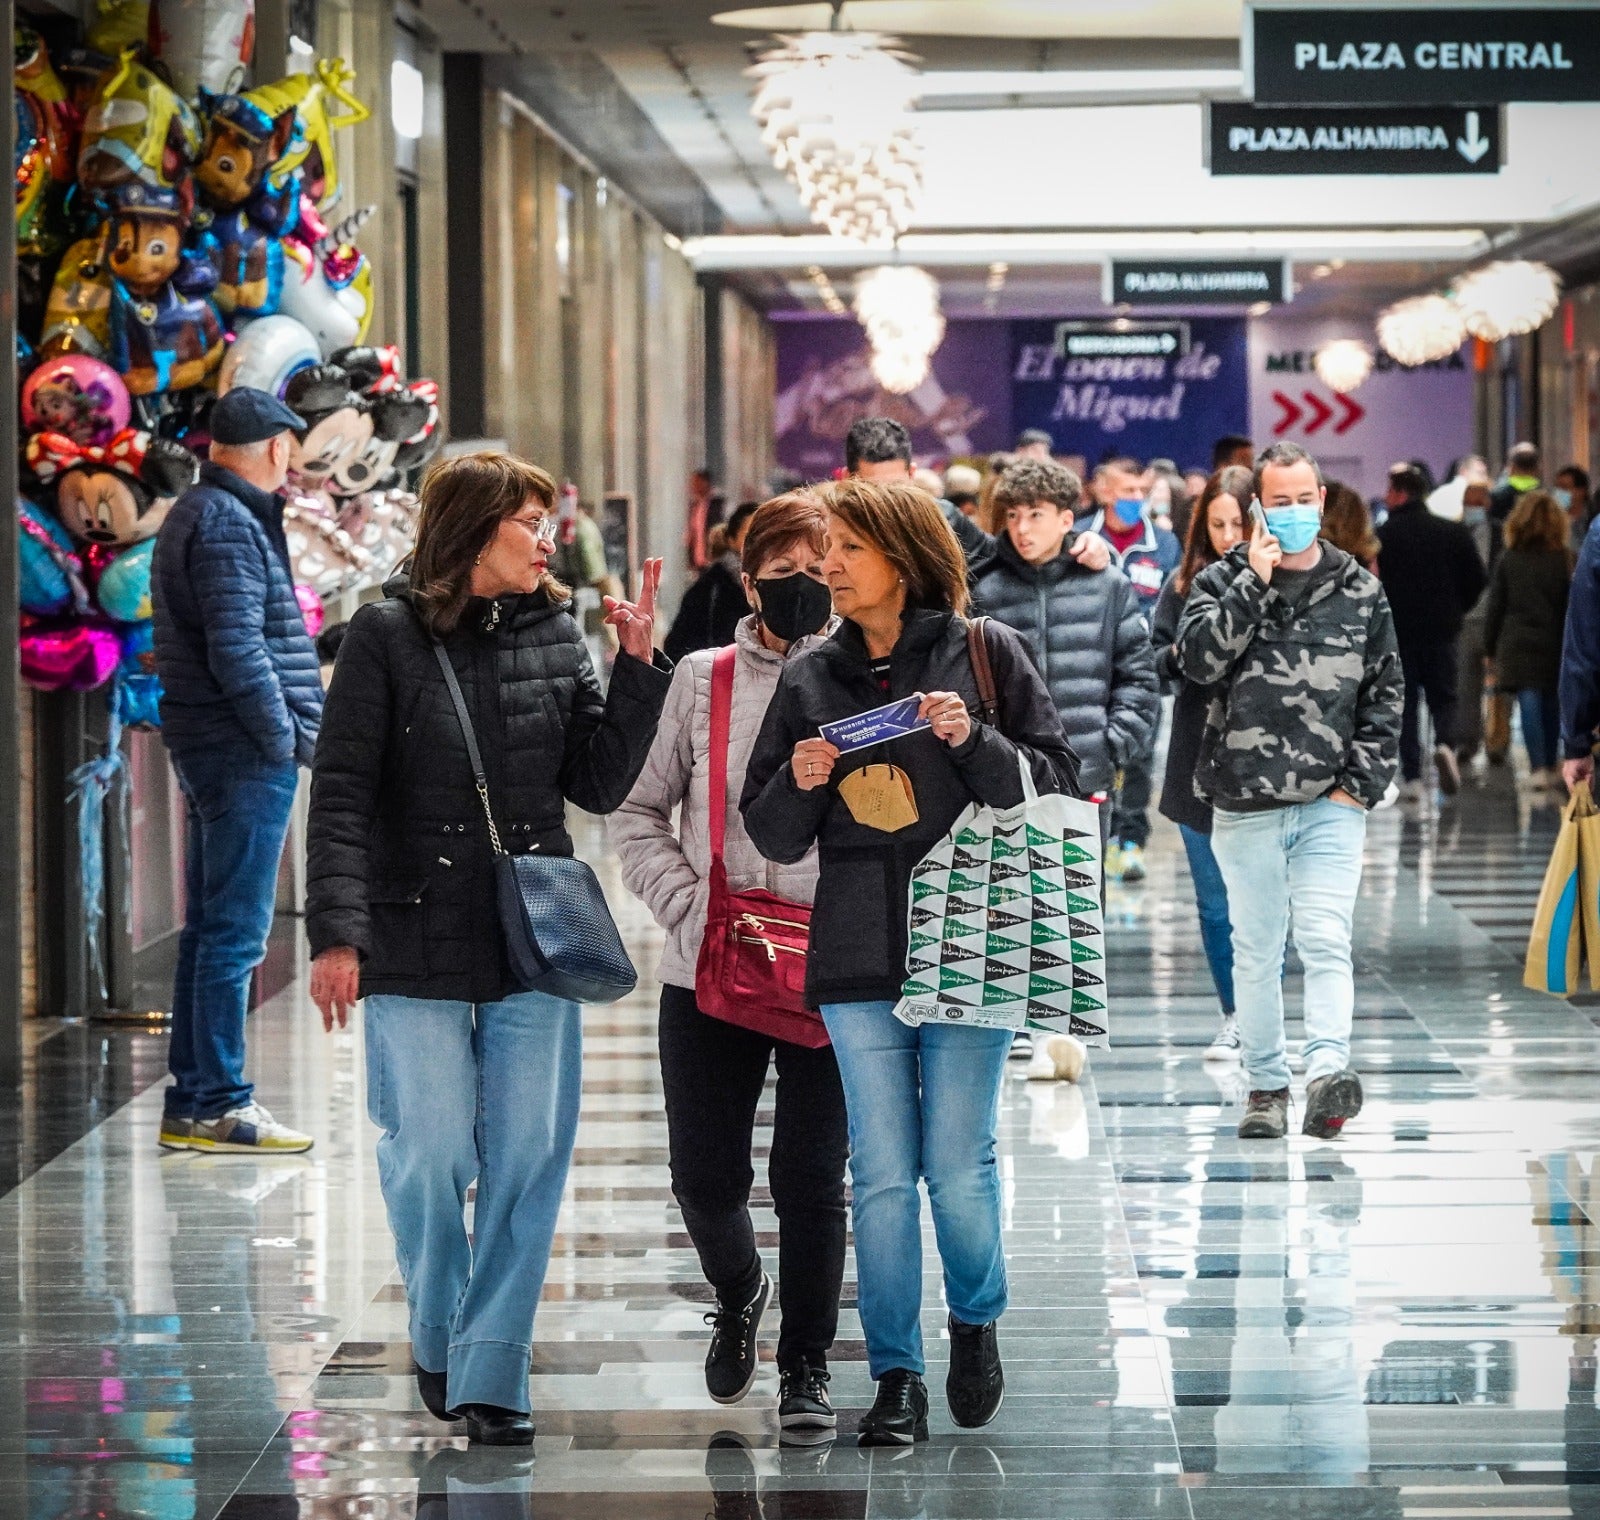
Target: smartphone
{"points": [[1258, 518]]}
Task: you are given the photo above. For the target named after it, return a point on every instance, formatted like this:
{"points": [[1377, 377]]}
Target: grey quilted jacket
{"points": [[668, 867]]}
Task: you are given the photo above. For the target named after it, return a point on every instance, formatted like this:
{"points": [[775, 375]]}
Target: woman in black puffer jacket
{"points": [[922, 1102], [469, 1077]]}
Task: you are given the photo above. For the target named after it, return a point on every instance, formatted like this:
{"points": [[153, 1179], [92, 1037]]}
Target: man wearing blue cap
{"points": [[241, 704]]}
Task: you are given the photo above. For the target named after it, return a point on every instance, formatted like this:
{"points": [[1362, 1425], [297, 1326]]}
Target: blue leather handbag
{"points": [[560, 936]]}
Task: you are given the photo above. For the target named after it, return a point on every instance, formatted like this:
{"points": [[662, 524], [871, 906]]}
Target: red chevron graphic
{"points": [[1353, 413], [1288, 415], [1322, 411]]}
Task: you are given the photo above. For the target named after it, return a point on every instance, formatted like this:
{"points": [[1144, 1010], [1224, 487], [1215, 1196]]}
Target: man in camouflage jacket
{"points": [[1297, 642]]}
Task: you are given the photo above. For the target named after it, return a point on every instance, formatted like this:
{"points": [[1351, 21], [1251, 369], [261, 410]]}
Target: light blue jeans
{"points": [[923, 1103], [462, 1093], [1299, 863]]}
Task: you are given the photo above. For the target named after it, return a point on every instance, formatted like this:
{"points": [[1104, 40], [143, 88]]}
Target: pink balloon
{"points": [[310, 607], [67, 656], [76, 395]]}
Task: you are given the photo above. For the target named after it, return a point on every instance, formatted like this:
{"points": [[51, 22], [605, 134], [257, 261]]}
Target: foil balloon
{"points": [[138, 128], [82, 397], [114, 494], [62, 654], [327, 281], [206, 44], [124, 589], [311, 609], [43, 158], [267, 353], [338, 426], [321, 109], [118, 24], [77, 315], [49, 573], [139, 700]]}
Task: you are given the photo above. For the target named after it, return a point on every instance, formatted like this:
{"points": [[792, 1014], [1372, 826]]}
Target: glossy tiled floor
{"points": [[1399, 1324]]}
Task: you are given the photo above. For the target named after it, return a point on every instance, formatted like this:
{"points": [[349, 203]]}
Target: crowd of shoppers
{"points": [[1299, 643]]}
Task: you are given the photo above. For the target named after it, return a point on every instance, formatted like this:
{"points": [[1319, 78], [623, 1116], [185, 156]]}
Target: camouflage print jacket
{"points": [[1303, 699]]}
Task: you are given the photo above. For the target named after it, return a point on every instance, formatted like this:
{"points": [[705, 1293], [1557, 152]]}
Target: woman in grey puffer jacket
{"points": [[713, 1072]]}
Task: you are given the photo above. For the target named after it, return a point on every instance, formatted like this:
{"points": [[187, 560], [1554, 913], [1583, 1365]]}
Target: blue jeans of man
{"points": [[463, 1093], [923, 1104], [1301, 864], [237, 816], [1211, 898]]}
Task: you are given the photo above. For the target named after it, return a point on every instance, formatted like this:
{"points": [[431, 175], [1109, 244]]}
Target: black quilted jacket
{"points": [[400, 865]]}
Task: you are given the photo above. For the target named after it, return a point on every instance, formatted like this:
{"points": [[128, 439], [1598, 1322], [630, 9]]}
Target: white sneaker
{"points": [[1226, 1045], [248, 1130], [1022, 1045], [1444, 757]]}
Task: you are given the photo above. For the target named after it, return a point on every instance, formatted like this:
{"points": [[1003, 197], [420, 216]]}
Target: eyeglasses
{"points": [[546, 529]]}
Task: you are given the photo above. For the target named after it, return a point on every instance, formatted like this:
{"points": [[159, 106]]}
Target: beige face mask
{"points": [[880, 797]]}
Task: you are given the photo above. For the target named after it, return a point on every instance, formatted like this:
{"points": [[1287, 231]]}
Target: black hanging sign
{"points": [[1196, 282], [1410, 56], [1247, 139]]}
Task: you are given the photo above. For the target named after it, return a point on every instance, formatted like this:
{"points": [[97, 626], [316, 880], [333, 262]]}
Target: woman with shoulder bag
{"points": [[470, 1075], [923, 1101], [713, 1070]]}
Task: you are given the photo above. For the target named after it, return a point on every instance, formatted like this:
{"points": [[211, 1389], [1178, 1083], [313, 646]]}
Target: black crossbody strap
{"points": [[473, 752]]}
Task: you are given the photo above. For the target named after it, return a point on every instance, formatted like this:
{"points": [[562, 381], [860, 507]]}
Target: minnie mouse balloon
{"points": [[62, 655], [78, 396]]}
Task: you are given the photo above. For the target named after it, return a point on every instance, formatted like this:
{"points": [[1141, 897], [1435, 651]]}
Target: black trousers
{"points": [[1430, 672], [1130, 813], [713, 1074]]}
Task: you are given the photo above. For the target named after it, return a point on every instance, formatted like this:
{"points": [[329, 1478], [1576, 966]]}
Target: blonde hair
{"points": [[1537, 522]]}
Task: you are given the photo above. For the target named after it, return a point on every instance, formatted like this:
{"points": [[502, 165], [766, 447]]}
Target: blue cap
{"points": [[246, 415]]}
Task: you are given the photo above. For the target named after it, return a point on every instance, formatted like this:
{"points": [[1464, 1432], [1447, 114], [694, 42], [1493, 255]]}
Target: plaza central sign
{"points": [[1413, 56]]}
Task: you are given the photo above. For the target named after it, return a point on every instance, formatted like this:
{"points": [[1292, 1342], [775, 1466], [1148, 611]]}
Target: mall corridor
{"points": [[1398, 1323]]}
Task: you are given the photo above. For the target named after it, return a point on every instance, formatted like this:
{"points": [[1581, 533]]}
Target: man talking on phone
{"points": [[1296, 641]]}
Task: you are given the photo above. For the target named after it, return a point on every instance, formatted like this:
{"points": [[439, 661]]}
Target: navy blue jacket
{"points": [[1580, 653], [237, 666], [1147, 562]]}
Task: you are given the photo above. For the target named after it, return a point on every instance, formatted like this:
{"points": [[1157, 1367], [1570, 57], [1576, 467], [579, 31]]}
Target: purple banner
{"points": [[825, 383]]}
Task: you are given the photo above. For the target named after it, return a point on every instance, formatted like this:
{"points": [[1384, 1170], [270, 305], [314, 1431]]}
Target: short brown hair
{"points": [[464, 501], [1537, 522], [794, 517], [1030, 480], [906, 526], [1231, 480], [1347, 523]]}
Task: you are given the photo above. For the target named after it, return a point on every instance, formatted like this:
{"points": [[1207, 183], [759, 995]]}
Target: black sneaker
{"points": [[803, 1399], [731, 1362], [976, 1386], [1266, 1116], [1330, 1101], [899, 1414]]}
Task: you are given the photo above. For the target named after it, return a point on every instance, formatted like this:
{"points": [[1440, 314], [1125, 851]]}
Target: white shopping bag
{"points": [[1006, 929]]}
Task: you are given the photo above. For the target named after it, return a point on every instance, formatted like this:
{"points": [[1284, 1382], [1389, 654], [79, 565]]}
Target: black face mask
{"points": [[794, 605]]}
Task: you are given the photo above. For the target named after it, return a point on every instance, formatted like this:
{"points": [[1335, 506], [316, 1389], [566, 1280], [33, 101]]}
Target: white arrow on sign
{"points": [[1168, 343], [1473, 146]]}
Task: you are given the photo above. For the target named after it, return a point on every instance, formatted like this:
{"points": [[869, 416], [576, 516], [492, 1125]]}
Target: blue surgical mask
{"points": [[1130, 509], [1295, 528], [1564, 497]]}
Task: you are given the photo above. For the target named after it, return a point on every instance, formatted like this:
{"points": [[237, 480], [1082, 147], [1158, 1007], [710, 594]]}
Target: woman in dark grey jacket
{"points": [[1525, 614], [899, 585], [470, 1077]]}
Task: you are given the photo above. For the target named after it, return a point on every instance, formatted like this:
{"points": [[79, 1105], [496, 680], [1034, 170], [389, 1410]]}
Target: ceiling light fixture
{"points": [[835, 113], [898, 305], [1421, 329], [1343, 364], [1506, 298], [1123, 84]]}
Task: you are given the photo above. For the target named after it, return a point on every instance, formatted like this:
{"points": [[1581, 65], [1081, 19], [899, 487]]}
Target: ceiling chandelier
{"points": [[835, 111], [1421, 329], [898, 305], [1504, 299], [1342, 364]]}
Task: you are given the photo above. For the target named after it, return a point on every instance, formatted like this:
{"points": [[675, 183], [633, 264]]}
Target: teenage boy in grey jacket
{"points": [[1297, 643]]}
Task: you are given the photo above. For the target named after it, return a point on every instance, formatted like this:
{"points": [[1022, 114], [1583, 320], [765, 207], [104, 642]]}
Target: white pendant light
{"points": [[1343, 364], [1421, 329], [1504, 299], [835, 110], [898, 305]]}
